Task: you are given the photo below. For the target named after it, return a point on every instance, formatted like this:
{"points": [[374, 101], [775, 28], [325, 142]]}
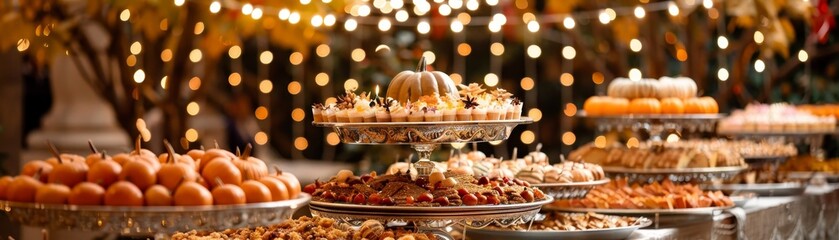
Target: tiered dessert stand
{"points": [[655, 124], [158, 222], [424, 137]]}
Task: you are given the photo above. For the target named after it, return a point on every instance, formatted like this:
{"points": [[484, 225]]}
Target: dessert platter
{"points": [[557, 225], [654, 161], [652, 105], [311, 228], [141, 193], [807, 167], [434, 112]]}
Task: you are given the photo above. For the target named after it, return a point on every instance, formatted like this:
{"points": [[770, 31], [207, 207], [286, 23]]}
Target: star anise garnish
{"points": [[472, 90], [501, 94], [469, 102], [516, 101]]}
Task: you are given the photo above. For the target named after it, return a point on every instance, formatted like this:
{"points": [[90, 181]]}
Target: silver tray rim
{"points": [[300, 201], [642, 223], [696, 116], [613, 169], [679, 211], [573, 184], [372, 209], [522, 120], [756, 186]]}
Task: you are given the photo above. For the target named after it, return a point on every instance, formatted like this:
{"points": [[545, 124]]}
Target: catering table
{"points": [[814, 215]]}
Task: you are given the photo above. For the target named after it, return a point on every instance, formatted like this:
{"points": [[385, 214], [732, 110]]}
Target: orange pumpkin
{"points": [[224, 170], [42, 168], [291, 182], [645, 106], [68, 173], [192, 194], [104, 172], [595, 105], [701, 105], [252, 168], [86, 193], [23, 189], [616, 106], [138, 154], [139, 173], [172, 173], [672, 106], [212, 155]]}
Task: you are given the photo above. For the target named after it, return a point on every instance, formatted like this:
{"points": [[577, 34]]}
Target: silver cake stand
{"points": [[424, 137], [655, 124], [148, 221], [675, 175]]}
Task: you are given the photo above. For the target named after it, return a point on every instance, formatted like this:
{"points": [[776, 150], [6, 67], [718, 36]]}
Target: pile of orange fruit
{"points": [[604, 105], [142, 178]]}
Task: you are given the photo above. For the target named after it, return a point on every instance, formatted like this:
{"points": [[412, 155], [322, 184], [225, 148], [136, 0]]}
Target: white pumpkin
{"points": [[411, 85], [626, 88], [680, 87]]}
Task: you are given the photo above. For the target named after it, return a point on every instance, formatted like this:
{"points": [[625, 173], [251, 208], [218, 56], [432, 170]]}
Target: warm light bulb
{"points": [[760, 65], [708, 4], [722, 74], [640, 12], [456, 4], [803, 56], [722, 42], [350, 25], [125, 15], [266, 57], [284, 14], [317, 21], [568, 52], [429, 57], [491, 79], [401, 16], [384, 24], [256, 14], [329, 20], [363, 10], [635, 45], [604, 17], [215, 7], [673, 9], [139, 76], [294, 18], [136, 48], [758, 37], [179, 2], [444, 10], [634, 74], [534, 51], [457, 26], [247, 9], [568, 23], [533, 26]]}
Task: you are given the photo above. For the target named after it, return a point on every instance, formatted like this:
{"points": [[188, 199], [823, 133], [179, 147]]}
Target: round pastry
{"points": [[514, 165], [462, 170], [557, 175], [581, 175], [481, 168], [500, 173], [459, 162], [532, 175], [476, 155], [371, 229]]}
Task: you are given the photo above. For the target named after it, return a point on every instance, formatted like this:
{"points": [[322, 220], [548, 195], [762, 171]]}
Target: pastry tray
{"points": [[606, 233]]}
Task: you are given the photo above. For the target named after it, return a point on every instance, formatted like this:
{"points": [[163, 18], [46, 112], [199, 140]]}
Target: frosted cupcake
{"points": [[479, 114], [448, 107], [317, 112], [383, 110], [494, 111], [469, 106], [329, 113], [398, 114], [342, 115], [432, 114], [463, 114], [517, 107]]}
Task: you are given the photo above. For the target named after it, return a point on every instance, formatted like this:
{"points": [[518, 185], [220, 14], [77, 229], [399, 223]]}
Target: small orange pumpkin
{"points": [[252, 168], [645, 106], [672, 106]]}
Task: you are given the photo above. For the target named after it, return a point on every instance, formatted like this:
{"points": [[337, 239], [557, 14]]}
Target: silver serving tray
{"points": [[152, 220], [424, 132], [829, 177], [742, 198], [644, 212], [569, 190], [675, 175], [406, 210], [604, 234], [711, 116], [761, 189]]}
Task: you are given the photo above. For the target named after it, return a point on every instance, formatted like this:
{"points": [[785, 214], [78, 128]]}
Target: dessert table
{"points": [[814, 215]]}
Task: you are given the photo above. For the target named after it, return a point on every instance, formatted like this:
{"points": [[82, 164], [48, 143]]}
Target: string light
{"points": [[464, 49], [566, 79], [597, 78], [722, 74], [195, 55], [194, 83], [528, 137], [534, 51], [322, 50], [294, 18], [215, 7], [491, 79], [496, 49], [131, 60], [316, 21], [527, 83], [266, 57], [397, 4], [634, 74], [568, 52], [600, 141], [568, 23], [430, 58], [444, 10], [261, 113], [456, 4], [492, 2], [635, 45], [640, 12], [256, 14], [423, 27], [139, 76], [672, 138], [499, 18], [125, 15], [472, 5], [633, 143], [758, 36], [535, 114], [722, 42], [136, 48], [234, 79], [234, 52], [351, 85], [192, 108], [604, 17], [22, 44], [296, 58], [708, 4], [298, 115], [163, 82], [612, 14], [568, 138], [350, 25], [760, 66], [329, 20], [457, 26], [384, 24], [803, 56], [322, 79], [358, 54], [401, 16], [199, 28], [570, 110], [191, 135], [284, 14], [533, 26], [305, 2], [179, 2], [294, 87], [300, 143], [494, 27], [363, 10], [247, 9], [260, 138], [672, 9], [265, 86], [332, 139]]}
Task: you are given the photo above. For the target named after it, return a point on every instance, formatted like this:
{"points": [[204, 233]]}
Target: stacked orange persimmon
{"points": [[141, 178], [650, 96]]}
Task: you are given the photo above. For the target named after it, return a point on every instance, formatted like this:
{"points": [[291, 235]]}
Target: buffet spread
{"points": [[600, 191]]}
